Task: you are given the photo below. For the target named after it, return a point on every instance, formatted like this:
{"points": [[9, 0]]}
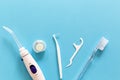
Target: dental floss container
{"points": [[39, 46]]}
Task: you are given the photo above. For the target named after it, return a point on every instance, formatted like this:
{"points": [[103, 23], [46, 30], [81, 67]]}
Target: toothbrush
{"points": [[31, 65], [101, 45], [58, 56]]}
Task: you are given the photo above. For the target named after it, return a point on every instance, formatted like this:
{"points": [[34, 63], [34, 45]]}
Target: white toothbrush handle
{"points": [[31, 65]]}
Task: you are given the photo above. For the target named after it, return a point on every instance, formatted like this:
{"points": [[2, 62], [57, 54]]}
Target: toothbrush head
{"points": [[102, 44]]}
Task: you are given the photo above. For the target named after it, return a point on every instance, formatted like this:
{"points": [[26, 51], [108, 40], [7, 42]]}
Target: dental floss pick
{"points": [[39, 46], [77, 47], [58, 56], [101, 46], [31, 65]]}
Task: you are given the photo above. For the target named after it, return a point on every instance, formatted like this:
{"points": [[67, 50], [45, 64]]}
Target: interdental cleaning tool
{"points": [[77, 47], [58, 56]]}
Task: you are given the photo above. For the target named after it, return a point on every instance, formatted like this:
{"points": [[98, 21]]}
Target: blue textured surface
{"points": [[39, 19]]}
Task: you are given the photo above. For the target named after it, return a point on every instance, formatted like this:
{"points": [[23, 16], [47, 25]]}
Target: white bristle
{"points": [[102, 44]]}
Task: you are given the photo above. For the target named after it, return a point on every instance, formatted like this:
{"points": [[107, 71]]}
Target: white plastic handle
{"points": [[58, 56], [31, 65]]}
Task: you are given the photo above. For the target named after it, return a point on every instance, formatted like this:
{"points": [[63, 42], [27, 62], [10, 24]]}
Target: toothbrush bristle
{"points": [[102, 44], [7, 29]]}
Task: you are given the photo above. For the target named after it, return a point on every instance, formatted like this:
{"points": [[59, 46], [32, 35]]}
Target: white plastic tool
{"points": [[31, 65], [39, 46], [101, 46], [58, 56], [77, 47]]}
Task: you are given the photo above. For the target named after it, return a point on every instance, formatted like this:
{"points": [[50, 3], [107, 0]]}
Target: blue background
{"points": [[40, 19]]}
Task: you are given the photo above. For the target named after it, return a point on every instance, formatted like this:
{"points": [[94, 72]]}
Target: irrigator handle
{"points": [[31, 65]]}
